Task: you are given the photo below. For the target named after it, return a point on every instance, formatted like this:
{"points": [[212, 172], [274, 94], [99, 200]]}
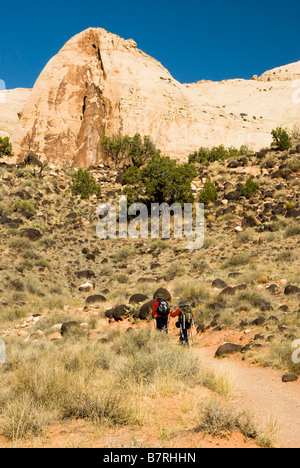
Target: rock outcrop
{"points": [[99, 83], [11, 105]]}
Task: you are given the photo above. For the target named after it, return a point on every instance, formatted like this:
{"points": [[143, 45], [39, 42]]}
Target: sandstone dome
{"points": [[100, 83]]}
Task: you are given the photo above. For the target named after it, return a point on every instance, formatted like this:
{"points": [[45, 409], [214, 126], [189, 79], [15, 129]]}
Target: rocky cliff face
{"points": [[11, 105], [99, 84]]}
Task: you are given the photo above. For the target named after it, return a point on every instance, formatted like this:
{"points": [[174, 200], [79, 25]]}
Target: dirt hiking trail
{"points": [[261, 391]]}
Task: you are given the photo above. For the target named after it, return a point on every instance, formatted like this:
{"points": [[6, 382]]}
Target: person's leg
{"points": [[185, 336], [159, 324]]}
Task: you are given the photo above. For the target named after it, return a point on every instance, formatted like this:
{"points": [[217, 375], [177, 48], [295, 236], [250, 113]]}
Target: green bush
{"points": [[5, 147], [84, 184], [134, 150], [217, 153], [23, 206], [209, 193], [160, 181], [281, 139], [250, 188], [289, 205]]}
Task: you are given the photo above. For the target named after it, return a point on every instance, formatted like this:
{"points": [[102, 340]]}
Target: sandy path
{"points": [[261, 391]]}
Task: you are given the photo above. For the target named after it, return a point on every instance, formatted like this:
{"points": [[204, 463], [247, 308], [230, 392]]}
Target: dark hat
{"points": [[181, 304]]}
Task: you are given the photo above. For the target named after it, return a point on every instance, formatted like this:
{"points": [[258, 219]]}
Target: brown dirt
{"points": [[257, 389], [261, 390]]}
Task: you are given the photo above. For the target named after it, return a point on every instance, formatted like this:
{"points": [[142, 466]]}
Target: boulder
{"points": [[229, 291], [85, 274], [228, 348], [86, 287], [120, 312], [95, 299], [137, 298], [164, 292], [68, 327], [233, 196], [291, 290], [54, 336], [289, 378], [31, 233], [146, 310], [220, 284], [109, 313], [90, 256], [259, 321]]}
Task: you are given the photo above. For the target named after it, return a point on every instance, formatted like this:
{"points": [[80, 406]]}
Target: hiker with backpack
{"points": [[160, 313], [186, 320]]}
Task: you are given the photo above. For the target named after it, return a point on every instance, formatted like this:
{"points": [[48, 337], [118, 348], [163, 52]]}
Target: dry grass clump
{"points": [[221, 420], [125, 253], [105, 383], [278, 355], [149, 356], [236, 260], [68, 382], [292, 230], [188, 289], [221, 382]]}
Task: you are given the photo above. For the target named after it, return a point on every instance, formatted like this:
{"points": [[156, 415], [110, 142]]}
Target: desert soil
{"points": [[262, 391]]}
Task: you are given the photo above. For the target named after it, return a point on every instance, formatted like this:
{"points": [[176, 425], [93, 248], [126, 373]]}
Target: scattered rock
{"points": [[120, 312], [228, 348], [137, 298], [258, 337], [229, 291], [273, 288], [289, 378], [246, 348], [95, 299], [200, 328], [69, 327], [86, 287], [291, 290], [146, 310], [259, 321], [31, 233], [54, 336], [164, 292], [220, 284], [85, 274]]}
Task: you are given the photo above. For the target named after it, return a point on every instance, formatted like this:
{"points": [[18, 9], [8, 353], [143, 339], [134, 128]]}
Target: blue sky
{"points": [[194, 40]]}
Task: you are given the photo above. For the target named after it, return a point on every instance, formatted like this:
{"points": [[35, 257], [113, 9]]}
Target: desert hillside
{"points": [[100, 83], [85, 367]]}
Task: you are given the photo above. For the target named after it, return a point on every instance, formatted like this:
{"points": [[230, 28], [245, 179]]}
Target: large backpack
{"points": [[186, 316], [163, 308]]}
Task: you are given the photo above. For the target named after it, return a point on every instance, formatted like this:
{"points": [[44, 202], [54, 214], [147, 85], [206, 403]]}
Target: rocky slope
{"points": [[244, 287], [99, 84]]}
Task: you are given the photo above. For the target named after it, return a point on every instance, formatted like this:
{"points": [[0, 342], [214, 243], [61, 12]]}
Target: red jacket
{"points": [[177, 312], [155, 307]]}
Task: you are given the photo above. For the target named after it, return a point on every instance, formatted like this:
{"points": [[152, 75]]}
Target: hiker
{"points": [[160, 312], [186, 320]]}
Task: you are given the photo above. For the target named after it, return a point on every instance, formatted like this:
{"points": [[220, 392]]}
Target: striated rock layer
{"points": [[99, 83]]}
